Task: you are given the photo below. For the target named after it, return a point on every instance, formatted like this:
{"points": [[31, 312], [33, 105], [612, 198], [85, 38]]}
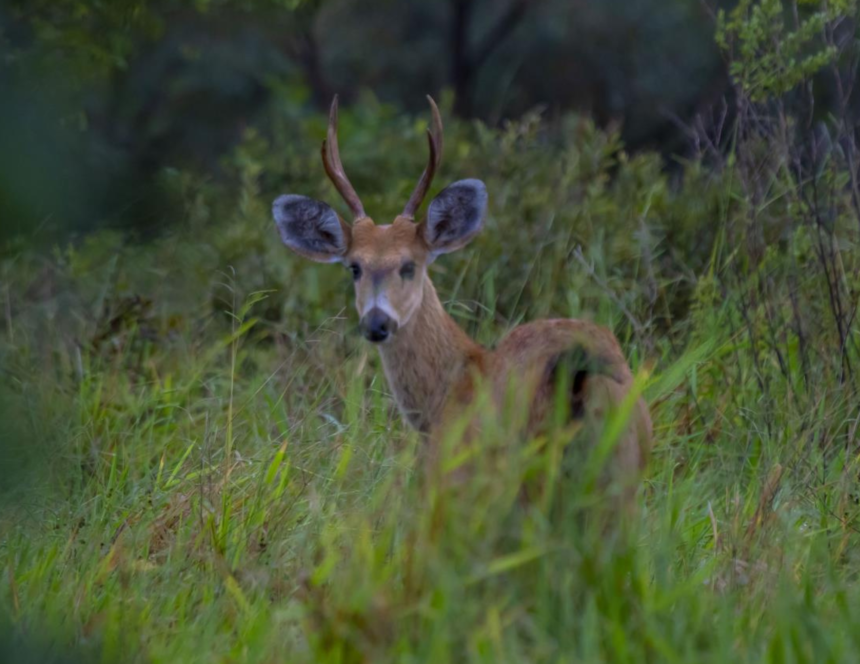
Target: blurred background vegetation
{"points": [[102, 97], [200, 460]]}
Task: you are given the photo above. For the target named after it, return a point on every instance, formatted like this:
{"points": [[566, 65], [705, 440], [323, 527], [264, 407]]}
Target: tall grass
{"points": [[203, 462]]}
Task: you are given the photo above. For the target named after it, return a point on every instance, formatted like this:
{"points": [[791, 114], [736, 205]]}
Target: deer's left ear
{"points": [[311, 228], [455, 216]]}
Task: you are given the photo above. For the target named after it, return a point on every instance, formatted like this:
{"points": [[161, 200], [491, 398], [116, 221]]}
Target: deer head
{"points": [[389, 262]]}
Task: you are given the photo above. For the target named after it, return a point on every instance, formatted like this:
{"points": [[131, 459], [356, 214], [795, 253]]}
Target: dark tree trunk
{"points": [[309, 56], [462, 71], [467, 62]]}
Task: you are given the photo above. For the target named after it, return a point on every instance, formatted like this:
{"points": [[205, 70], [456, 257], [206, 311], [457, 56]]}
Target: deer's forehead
{"points": [[387, 244]]}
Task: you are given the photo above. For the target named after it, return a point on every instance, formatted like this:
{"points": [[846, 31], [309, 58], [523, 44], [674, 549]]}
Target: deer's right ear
{"points": [[311, 228]]}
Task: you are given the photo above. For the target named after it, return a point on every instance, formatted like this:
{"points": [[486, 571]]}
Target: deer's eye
{"points": [[408, 270], [355, 268]]}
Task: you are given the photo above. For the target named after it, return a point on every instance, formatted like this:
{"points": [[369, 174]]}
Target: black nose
{"points": [[377, 326]]}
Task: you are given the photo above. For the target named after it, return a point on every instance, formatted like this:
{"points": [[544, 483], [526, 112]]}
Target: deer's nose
{"points": [[377, 326]]}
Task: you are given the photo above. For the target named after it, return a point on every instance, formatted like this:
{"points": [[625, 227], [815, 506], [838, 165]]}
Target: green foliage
{"points": [[215, 472], [773, 49], [95, 39]]}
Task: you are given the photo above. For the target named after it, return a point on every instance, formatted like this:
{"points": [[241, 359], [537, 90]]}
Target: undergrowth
{"points": [[204, 463]]}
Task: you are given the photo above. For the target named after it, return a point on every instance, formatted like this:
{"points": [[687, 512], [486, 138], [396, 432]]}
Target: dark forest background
{"points": [[101, 97]]}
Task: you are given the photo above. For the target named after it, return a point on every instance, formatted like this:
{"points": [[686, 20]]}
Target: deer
{"points": [[432, 366]]}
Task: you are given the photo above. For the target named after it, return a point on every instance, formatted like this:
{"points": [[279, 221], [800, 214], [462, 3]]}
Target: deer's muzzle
{"points": [[377, 326]]}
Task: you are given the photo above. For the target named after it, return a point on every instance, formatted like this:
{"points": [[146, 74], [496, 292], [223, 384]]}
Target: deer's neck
{"points": [[426, 359]]}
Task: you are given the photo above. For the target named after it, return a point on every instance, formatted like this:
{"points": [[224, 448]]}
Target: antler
{"points": [[334, 167], [434, 138]]}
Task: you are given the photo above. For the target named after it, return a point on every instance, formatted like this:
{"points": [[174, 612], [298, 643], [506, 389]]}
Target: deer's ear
{"points": [[455, 216], [311, 228]]}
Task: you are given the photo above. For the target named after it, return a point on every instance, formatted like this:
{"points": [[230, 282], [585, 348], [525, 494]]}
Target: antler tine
{"points": [[334, 167], [434, 138]]}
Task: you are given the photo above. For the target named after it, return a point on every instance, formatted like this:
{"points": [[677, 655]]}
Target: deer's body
{"points": [[433, 367], [434, 370]]}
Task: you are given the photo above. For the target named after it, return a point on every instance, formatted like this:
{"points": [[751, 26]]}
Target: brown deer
{"points": [[433, 367]]}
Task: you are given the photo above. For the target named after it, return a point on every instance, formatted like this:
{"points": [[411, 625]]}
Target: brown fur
{"points": [[381, 251], [434, 369], [432, 366]]}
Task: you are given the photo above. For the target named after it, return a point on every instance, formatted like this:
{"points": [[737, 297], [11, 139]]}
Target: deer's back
{"points": [[529, 359], [532, 345]]}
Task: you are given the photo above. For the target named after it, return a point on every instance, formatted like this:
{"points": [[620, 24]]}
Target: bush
{"points": [[224, 476]]}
